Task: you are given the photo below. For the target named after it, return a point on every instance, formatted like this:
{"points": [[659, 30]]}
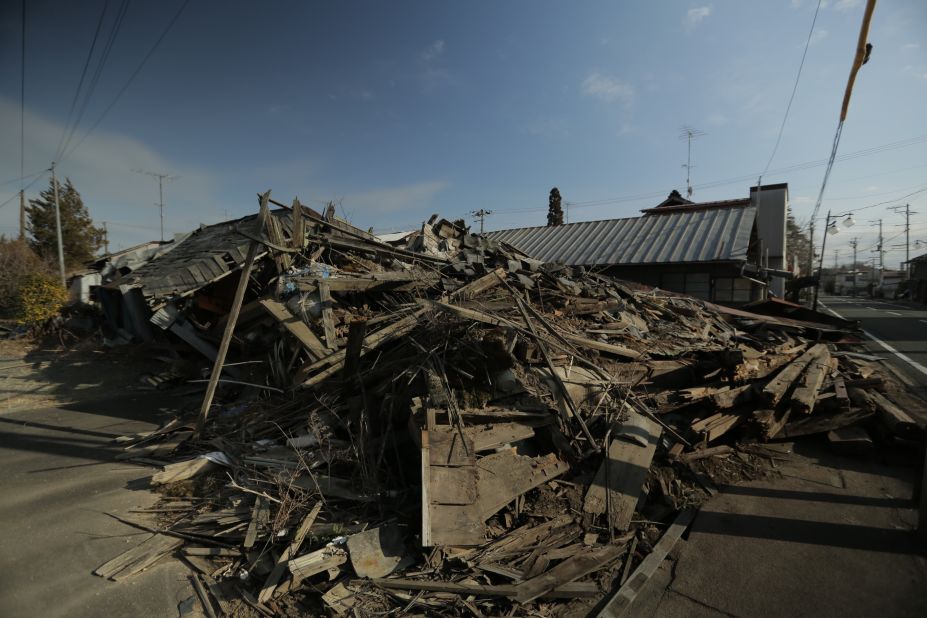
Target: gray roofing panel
{"points": [[703, 235]]}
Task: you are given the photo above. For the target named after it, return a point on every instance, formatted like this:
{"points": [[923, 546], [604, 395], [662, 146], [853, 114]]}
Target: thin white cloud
{"points": [[912, 45], [717, 119], [818, 35], [409, 197], [433, 51], [695, 16], [101, 170], [606, 88], [847, 5]]}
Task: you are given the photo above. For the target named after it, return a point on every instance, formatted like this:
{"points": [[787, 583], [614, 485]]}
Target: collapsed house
{"points": [[730, 251], [449, 426]]}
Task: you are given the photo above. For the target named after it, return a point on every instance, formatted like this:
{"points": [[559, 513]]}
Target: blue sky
{"points": [[400, 110]]}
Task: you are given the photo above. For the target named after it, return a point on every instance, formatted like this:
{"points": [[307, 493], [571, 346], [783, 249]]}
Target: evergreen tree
{"points": [[81, 239], [554, 211], [798, 245]]}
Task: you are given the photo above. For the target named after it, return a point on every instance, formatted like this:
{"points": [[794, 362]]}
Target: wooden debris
{"points": [[454, 367], [616, 486], [183, 470], [139, 558], [620, 603]]}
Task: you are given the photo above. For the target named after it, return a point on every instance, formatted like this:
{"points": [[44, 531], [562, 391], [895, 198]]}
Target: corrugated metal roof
{"points": [[704, 235]]}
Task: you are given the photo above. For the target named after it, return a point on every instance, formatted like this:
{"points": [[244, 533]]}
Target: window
{"points": [[694, 284], [733, 290]]}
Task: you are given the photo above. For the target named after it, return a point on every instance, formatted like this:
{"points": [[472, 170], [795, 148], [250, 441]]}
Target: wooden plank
{"points": [[819, 423], [449, 487], [253, 249], [328, 323], [778, 386], [183, 470], [894, 418], [270, 584], [507, 475], [295, 327], [621, 601], [616, 487], [139, 557], [317, 562], [567, 571], [806, 393], [574, 590], [478, 286], [335, 362], [356, 331]]}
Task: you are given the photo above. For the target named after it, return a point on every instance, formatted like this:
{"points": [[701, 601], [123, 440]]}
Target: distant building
{"points": [[889, 282], [730, 251], [918, 267]]}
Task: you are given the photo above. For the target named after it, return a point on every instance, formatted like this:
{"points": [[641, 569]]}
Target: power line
{"points": [[98, 70], [913, 141], [133, 75], [15, 195], [22, 178], [861, 57], [788, 107], [80, 83]]}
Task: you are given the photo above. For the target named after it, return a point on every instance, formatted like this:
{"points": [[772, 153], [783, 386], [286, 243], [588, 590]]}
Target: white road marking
{"points": [[871, 308], [924, 321], [893, 312], [906, 359]]}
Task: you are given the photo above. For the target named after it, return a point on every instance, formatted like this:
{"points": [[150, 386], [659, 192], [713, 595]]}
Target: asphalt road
{"points": [[897, 331], [58, 482]]}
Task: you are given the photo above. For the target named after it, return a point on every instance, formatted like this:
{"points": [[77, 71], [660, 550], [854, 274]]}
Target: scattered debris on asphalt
{"points": [[445, 426]]}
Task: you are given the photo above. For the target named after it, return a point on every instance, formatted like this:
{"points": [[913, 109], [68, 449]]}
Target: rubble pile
{"points": [[444, 426]]}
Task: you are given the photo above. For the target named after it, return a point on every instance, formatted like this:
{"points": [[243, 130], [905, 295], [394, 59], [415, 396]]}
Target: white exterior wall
{"points": [[772, 211]]}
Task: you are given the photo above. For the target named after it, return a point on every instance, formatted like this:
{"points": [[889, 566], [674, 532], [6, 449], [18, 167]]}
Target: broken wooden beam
{"points": [[616, 487], [805, 394], [620, 602], [776, 389], [573, 590]]}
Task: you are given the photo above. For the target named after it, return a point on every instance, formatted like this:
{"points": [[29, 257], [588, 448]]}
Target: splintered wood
{"points": [[616, 487], [440, 424]]}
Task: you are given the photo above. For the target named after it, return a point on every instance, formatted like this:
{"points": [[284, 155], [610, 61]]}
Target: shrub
{"points": [[17, 261], [41, 298]]}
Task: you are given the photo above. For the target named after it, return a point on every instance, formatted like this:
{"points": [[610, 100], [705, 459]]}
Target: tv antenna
{"points": [[689, 134], [161, 178]]}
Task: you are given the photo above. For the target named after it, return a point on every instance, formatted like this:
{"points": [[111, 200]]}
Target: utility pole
{"points": [[105, 239], [881, 254], [817, 282], [907, 237], [161, 178], [22, 215], [853, 244], [64, 282], [481, 214]]}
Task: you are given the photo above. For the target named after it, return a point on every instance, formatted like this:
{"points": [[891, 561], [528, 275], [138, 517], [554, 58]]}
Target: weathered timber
{"points": [[270, 584], [573, 590], [567, 571], [619, 603], [820, 423], [295, 327], [139, 557], [778, 386], [896, 420], [253, 249], [616, 487], [805, 395]]}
